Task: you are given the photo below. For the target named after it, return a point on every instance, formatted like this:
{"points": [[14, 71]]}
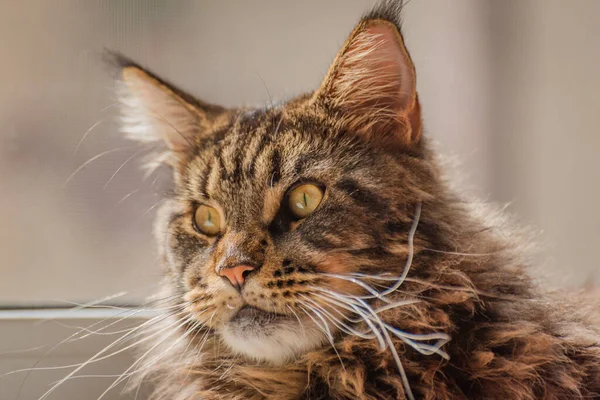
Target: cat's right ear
{"points": [[156, 111], [372, 82]]}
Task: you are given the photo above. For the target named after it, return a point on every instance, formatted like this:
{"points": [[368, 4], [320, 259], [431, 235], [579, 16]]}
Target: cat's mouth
{"points": [[248, 316], [268, 336]]}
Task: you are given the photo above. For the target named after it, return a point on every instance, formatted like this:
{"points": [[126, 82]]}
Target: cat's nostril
{"points": [[237, 275], [246, 273]]}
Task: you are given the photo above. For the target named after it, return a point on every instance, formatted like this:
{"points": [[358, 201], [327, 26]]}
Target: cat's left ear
{"points": [[156, 111], [372, 84]]}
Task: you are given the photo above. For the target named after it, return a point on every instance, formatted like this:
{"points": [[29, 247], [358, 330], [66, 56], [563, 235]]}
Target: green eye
{"points": [[304, 199], [207, 220]]}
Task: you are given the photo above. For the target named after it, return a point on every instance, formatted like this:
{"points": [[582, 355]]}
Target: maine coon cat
{"points": [[312, 249]]}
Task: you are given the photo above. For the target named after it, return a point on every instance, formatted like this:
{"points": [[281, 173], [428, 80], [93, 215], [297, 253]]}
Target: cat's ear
{"points": [[372, 83], [155, 111]]}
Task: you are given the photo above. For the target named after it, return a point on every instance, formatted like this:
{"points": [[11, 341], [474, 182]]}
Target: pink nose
{"points": [[236, 274]]}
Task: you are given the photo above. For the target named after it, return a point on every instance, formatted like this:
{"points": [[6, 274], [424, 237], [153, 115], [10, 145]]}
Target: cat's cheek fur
{"points": [[161, 230], [275, 343]]}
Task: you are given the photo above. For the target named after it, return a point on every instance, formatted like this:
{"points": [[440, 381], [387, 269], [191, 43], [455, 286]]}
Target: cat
{"points": [[313, 249]]}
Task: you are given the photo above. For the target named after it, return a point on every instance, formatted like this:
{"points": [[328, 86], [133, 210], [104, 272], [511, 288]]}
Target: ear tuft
{"points": [[387, 10], [154, 111], [372, 82]]}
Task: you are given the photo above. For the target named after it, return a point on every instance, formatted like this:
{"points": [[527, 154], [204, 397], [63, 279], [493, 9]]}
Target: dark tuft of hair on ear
{"points": [[116, 61], [388, 10]]}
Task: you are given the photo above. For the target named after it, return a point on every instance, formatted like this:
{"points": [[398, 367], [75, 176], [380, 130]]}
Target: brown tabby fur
{"points": [[509, 339]]}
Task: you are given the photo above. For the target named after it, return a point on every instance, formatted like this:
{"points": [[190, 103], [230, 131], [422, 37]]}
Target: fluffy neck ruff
{"points": [[507, 340]]}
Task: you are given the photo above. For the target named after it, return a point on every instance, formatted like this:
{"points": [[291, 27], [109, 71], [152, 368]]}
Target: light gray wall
{"points": [[546, 123]]}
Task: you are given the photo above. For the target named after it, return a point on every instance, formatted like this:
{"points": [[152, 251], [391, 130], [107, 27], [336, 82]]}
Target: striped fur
{"points": [[359, 136]]}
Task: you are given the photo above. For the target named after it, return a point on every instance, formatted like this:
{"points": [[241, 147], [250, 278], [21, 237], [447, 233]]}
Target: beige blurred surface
{"points": [[509, 88], [34, 344]]}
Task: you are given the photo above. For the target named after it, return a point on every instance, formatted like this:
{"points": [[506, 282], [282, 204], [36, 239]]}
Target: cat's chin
{"points": [[271, 338]]}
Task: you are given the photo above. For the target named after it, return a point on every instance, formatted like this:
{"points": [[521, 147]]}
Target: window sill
{"points": [[48, 338]]}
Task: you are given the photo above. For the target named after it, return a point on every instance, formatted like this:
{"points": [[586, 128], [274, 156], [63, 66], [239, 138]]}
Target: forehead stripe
{"points": [[275, 168], [243, 140], [361, 195], [266, 139], [221, 164], [203, 187]]}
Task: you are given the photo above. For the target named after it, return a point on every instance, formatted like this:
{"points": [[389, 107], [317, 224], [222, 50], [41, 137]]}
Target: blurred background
{"points": [[509, 88]]}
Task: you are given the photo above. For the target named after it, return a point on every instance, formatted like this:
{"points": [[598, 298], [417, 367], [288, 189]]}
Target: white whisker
{"points": [[345, 303], [411, 251], [96, 357], [186, 320], [360, 283], [341, 325], [325, 330], [82, 166], [125, 163], [85, 135]]}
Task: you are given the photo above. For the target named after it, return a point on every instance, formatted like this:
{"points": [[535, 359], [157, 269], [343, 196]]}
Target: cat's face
{"points": [[277, 211], [293, 198]]}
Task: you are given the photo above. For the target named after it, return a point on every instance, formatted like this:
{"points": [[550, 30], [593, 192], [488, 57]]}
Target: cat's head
{"points": [[279, 212]]}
